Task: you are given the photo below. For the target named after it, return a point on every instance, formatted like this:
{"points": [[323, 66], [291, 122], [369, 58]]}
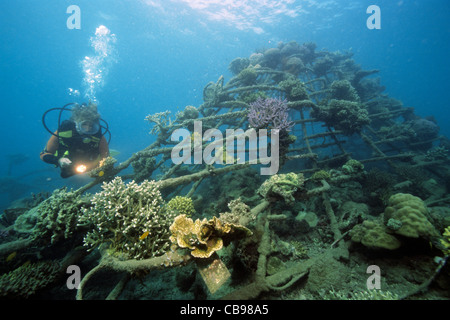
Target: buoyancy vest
{"points": [[77, 147]]}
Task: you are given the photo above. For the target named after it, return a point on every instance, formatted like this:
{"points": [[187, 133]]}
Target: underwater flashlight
{"points": [[81, 168]]}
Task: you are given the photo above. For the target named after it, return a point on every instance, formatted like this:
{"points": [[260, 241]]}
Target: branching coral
{"points": [[189, 112], [161, 120], [130, 218], [405, 215], [269, 114]]}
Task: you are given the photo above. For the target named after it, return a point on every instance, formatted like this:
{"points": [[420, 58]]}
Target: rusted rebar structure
{"points": [[311, 82], [338, 113]]}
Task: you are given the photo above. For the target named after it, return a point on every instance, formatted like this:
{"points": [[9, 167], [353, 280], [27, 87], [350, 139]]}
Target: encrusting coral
{"points": [[104, 168], [130, 218]]}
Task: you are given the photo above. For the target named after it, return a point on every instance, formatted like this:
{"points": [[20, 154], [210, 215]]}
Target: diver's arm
{"points": [[48, 154]]}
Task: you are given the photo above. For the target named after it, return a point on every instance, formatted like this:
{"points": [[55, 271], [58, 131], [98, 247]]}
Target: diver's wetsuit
{"points": [[80, 149]]}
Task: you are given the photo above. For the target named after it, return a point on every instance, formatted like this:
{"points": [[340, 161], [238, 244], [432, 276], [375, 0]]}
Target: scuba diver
{"points": [[79, 143]]}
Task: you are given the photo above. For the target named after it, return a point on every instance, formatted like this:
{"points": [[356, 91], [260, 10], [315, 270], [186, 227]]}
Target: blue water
{"points": [[166, 51]]}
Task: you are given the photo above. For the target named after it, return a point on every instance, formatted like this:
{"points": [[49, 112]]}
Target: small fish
{"points": [[144, 235], [11, 256], [113, 152], [101, 173]]}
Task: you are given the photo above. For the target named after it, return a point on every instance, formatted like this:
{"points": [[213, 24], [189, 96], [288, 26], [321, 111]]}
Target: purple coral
{"points": [[269, 113]]}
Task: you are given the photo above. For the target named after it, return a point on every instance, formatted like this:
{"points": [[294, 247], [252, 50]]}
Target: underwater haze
{"points": [[135, 58], [167, 51]]}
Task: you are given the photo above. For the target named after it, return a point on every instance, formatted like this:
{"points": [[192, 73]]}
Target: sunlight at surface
{"points": [[251, 15]]}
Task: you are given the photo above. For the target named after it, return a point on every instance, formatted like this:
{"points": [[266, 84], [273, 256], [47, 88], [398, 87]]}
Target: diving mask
{"points": [[87, 127]]}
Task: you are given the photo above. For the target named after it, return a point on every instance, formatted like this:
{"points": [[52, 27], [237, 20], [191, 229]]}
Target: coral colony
{"points": [[269, 113], [357, 190]]}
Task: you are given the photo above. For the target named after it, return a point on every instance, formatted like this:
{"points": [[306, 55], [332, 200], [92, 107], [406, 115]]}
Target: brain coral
{"points": [[412, 212]]}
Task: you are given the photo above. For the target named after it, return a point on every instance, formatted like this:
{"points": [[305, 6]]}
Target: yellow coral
{"points": [[204, 237], [193, 235], [446, 241], [412, 212]]}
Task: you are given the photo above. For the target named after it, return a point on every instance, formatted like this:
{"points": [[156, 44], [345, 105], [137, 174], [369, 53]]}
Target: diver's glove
{"points": [[64, 162]]}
